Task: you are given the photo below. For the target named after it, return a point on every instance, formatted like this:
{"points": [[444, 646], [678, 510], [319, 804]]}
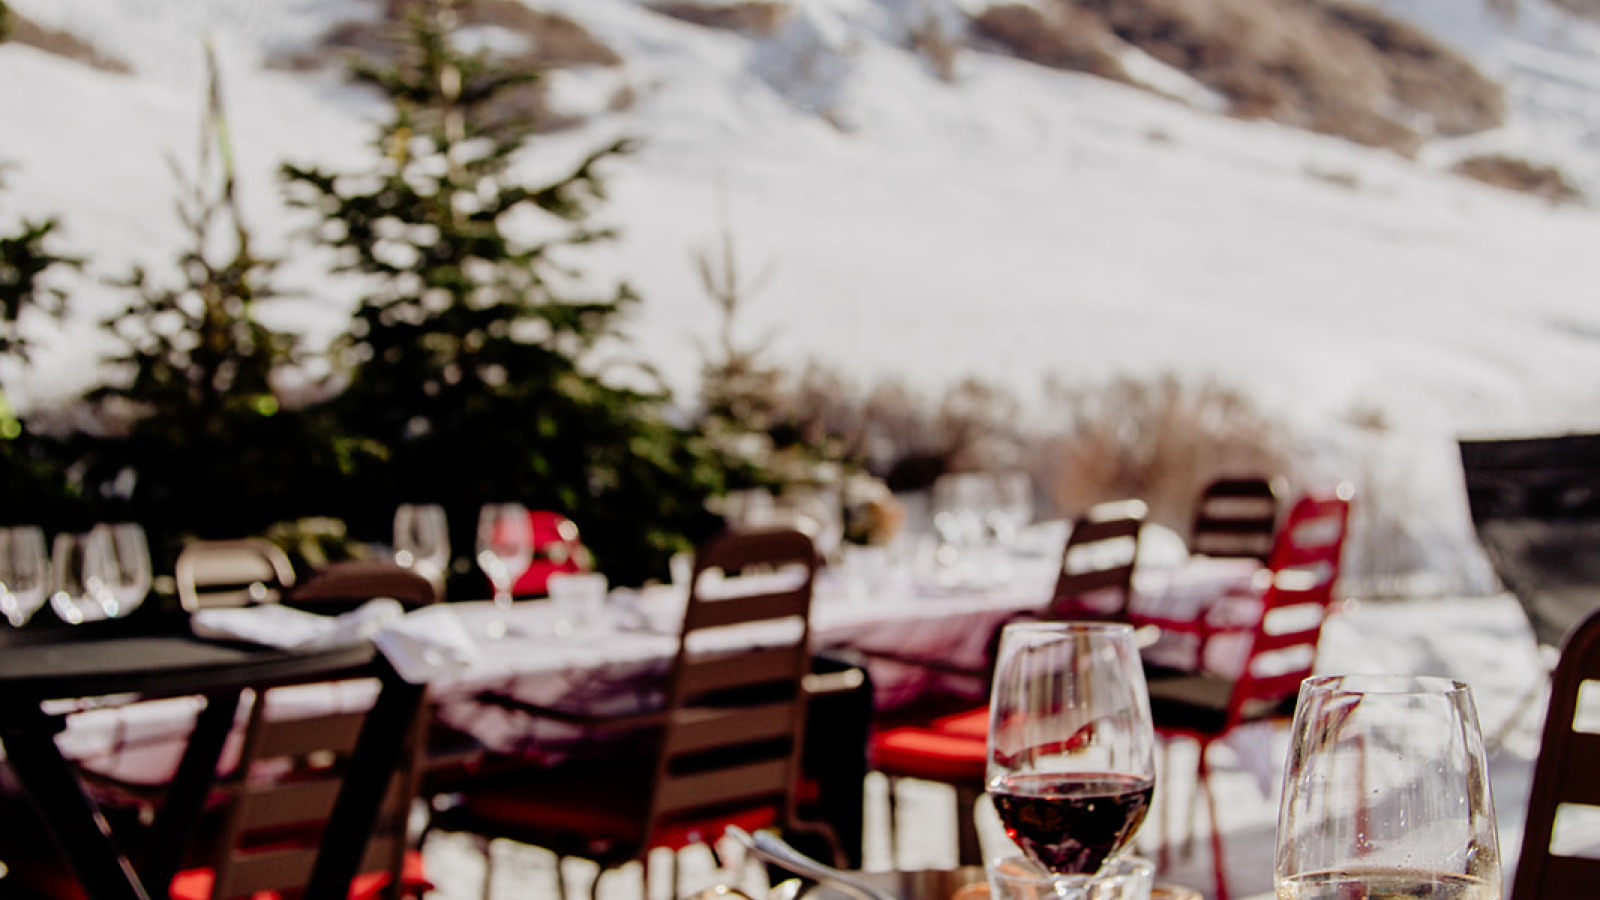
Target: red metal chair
{"points": [[1095, 582], [1295, 592], [557, 547]]}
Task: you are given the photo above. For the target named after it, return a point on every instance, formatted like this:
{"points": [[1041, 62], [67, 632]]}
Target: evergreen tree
{"points": [[31, 472], [201, 444], [466, 362]]}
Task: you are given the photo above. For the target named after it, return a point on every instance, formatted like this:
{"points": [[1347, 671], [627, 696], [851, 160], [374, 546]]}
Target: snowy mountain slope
{"points": [[1014, 224]]}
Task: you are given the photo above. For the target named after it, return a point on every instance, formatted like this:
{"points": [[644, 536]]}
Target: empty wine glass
{"points": [[82, 569], [505, 550], [24, 573], [128, 575], [1386, 793], [1071, 764], [422, 540]]}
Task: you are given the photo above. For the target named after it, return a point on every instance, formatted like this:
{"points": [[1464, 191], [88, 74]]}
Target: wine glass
{"points": [[128, 575], [1386, 793], [1071, 768], [422, 540], [82, 572], [505, 549], [24, 573]]}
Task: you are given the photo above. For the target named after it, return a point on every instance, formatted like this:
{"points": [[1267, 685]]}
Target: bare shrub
{"points": [[553, 42], [61, 43], [1324, 66], [1158, 440], [940, 49], [755, 18], [1520, 175], [1061, 37], [1425, 76]]}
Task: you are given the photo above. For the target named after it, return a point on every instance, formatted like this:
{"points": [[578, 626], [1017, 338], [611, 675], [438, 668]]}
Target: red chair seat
{"points": [[916, 752], [195, 884], [974, 723]]}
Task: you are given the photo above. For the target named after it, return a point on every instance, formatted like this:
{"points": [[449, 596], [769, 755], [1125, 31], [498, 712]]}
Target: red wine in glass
{"points": [[1071, 823]]}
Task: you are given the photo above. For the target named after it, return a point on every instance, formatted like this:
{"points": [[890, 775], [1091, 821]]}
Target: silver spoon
{"points": [[775, 850]]}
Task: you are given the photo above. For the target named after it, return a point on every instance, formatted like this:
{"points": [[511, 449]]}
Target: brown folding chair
{"points": [[1236, 516], [1097, 564], [1566, 780], [725, 749], [276, 802], [342, 586], [242, 572]]}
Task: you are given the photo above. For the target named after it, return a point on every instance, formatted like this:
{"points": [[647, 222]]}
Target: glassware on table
{"points": [[128, 574], [82, 570], [24, 573], [1012, 508], [1386, 794], [422, 540], [505, 550], [1071, 768], [1020, 878], [579, 599]]}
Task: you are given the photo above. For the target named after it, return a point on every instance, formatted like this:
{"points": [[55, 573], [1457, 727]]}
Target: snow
{"points": [[1013, 224]]}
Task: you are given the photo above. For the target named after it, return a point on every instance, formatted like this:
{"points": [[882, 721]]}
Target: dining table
{"points": [[49, 679], [533, 655]]}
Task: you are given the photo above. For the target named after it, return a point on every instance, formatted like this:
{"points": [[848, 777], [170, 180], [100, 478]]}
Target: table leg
{"points": [[190, 787], [74, 820], [372, 765]]}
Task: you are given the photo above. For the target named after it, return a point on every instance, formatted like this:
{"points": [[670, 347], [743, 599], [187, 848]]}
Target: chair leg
{"points": [[1219, 860], [969, 852], [894, 823]]}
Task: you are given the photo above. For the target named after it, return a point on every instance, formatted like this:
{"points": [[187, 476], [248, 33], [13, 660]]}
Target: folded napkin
{"points": [[421, 645], [427, 643]]}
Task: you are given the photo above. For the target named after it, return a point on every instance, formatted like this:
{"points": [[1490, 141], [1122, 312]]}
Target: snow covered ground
{"points": [[1015, 224]]}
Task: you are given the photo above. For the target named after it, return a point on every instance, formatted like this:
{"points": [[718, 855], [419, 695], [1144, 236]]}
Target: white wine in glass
{"points": [[1386, 794]]}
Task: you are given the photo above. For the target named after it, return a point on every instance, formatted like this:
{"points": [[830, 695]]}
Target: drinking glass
{"points": [[1386, 793], [128, 575], [24, 573], [422, 539], [505, 548], [82, 572], [1071, 766]]}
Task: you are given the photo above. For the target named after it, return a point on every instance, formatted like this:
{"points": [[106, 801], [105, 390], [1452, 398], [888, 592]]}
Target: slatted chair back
{"points": [[241, 572], [736, 712], [1300, 580], [1566, 782], [1097, 564], [281, 794], [1236, 517]]}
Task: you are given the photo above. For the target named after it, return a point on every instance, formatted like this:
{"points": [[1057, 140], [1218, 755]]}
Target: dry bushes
{"points": [[62, 44], [1325, 66], [1159, 440], [552, 42], [1520, 175], [755, 18], [1061, 37]]}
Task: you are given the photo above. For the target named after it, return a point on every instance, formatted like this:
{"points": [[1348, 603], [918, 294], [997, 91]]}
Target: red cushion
{"points": [[196, 884], [917, 752], [973, 723]]}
